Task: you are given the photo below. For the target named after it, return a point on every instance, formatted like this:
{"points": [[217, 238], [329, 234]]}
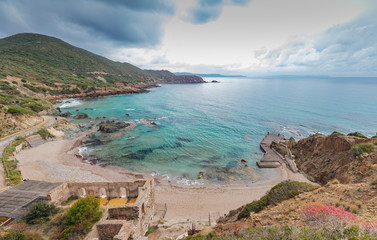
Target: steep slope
{"points": [[164, 76], [37, 70], [50, 60], [349, 159]]}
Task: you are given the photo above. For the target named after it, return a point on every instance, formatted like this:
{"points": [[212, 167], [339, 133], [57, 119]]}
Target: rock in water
{"points": [[66, 114], [81, 116], [111, 126]]}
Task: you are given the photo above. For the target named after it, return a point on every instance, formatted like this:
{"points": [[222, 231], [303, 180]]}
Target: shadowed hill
{"points": [[50, 60], [164, 76]]}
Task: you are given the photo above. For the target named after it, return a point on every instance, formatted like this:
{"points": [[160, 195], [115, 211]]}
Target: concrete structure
{"points": [[14, 202], [128, 217], [271, 158]]}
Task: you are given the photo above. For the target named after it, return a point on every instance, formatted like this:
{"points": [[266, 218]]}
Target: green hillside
{"points": [[49, 60]]}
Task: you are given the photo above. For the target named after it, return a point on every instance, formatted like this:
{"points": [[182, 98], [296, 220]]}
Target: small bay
{"points": [[210, 127]]}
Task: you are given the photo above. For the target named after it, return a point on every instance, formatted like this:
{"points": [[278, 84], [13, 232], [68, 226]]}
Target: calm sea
{"points": [[209, 127]]}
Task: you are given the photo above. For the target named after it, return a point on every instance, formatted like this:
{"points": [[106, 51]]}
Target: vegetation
{"points": [[280, 192], [15, 176], [375, 143], [18, 103], [316, 134], [151, 229], [361, 148], [292, 233], [336, 134], [15, 235], [357, 134], [44, 133], [81, 217], [49, 60], [40, 212]]}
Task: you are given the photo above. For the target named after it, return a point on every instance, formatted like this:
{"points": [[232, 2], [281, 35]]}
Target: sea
{"points": [[203, 131]]}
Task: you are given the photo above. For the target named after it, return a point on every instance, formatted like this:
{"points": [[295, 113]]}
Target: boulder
{"points": [[81, 116], [111, 126], [66, 114]]}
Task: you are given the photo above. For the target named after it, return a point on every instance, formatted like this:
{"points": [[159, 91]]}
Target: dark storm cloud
{"points": [[124, 22], [209, 10]]}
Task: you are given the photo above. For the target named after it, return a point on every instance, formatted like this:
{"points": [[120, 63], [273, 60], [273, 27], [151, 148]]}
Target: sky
{"points": [[248, 37]]}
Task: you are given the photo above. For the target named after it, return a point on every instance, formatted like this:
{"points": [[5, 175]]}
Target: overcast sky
{"points": [[250, 37]]}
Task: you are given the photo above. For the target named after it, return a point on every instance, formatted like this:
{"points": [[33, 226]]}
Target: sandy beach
{"points": [[56, 161]]}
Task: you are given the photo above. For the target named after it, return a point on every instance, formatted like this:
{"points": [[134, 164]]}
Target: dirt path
{"points": [[5, 141]]}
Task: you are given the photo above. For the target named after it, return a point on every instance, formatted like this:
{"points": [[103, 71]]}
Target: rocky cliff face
{"points": [[324, 158]]}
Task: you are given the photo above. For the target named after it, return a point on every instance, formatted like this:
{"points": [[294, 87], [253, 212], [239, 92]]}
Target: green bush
{"points": [[40, 212], [81, 217], [361, 148], [15, 235], [357, 134], [44, 133], [280, 192], [375, 143], [336, 134]]}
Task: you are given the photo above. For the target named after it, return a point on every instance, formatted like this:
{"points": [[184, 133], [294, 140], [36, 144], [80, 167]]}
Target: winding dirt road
{"points": [[5, 141]]}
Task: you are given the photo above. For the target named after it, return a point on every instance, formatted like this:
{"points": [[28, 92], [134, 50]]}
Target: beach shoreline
{"points": [[58, 161]]}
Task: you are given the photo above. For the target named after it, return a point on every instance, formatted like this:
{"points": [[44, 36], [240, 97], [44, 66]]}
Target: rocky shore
{"points": [[102, 92]]}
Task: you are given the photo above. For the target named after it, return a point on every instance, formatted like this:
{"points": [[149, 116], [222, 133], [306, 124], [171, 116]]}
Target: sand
{"points": [[55, 161]]}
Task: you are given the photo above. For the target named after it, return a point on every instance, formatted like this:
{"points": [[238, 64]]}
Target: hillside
{"points": [[164, 76], [50, 60], [37, 70]]}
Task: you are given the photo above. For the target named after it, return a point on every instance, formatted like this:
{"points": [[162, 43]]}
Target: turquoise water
{"points": [[208, 127]]}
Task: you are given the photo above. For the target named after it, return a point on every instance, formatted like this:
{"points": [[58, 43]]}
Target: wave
{"points": [[130, 109], [70, 103]]}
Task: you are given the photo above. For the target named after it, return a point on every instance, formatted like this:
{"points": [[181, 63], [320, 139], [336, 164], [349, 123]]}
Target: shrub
{"points": [[40, 212], [357, 134], [280, 192], [371, 227], [15, 235], [81, 217], [361, 148], [336, 134], [44, 133], [14, 110], [289, 232], [151, 229], [320, 215], [375, 143]]}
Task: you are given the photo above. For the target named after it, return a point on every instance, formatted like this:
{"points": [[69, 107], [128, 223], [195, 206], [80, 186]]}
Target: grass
{"points": [[357, 134], [361, 148], [44, 133], [336, 134], [280, 192], [151, 229], [15, 176]]}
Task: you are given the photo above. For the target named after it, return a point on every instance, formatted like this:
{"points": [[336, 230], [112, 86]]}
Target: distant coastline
{"points": [[209, 74]]}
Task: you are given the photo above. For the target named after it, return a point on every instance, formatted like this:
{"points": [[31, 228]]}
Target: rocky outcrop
{"points": [[112, 126], [324, 158], [102, 92], [81, 116]]}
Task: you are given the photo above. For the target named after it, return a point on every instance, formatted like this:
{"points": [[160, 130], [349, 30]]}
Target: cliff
{"points": [[325, 158]]}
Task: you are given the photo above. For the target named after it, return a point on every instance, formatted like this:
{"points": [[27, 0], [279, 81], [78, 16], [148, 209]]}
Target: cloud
{"points": [[342, 50], [209, 10], [83, 22]]}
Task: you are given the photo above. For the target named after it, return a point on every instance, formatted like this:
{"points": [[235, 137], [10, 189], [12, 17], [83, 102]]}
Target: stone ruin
{"points": [[120, 222]]}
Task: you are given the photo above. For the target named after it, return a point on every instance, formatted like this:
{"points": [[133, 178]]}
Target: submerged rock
{"points": [[111, 126]]}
